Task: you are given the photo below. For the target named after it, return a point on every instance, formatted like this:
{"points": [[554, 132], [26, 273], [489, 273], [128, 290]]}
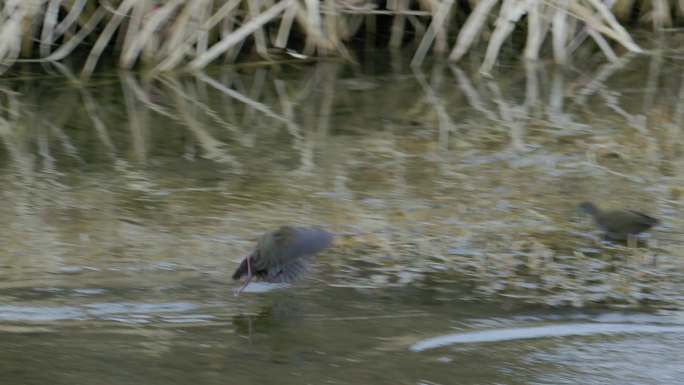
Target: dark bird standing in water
{"points": [[619, 225], [282, 255]]}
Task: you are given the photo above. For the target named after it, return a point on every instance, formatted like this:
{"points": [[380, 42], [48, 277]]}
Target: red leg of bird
{"points": [[249, 276]]}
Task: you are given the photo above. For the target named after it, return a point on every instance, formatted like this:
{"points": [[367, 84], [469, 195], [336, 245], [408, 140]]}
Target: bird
{"points": [[283, 255], [619, 225]]}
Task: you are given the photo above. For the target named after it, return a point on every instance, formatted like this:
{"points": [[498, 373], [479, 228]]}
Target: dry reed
{"points": [[192, 34]]}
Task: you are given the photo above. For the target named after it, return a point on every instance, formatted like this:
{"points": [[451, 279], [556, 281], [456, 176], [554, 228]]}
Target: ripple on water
{"points": [[119, 312], [263, 287], [93, 291], [99, 309], [545, 331], [38, 314]]}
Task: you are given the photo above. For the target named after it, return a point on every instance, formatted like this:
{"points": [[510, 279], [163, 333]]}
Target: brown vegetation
{"points": [[174, 34]]}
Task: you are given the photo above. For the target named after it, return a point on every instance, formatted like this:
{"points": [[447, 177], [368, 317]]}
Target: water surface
{"points": [[129, 201]]}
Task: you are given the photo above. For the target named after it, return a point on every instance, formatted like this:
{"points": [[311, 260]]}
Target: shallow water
{"points": [[128, 203]]}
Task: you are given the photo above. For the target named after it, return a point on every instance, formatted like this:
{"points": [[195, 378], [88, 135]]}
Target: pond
{"points": [[460, 255]]}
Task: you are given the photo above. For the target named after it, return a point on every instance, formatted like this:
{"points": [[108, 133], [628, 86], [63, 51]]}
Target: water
{"points": [[128, 202]]}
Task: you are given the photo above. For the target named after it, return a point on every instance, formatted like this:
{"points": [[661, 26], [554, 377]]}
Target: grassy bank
{"points": [[175, 34]]}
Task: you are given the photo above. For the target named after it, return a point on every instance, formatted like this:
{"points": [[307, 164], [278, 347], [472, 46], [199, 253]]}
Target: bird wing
{"points": [[306, 242], [626, 222], [282, 255], [287, 272], [287, 244], [296, 243], [646, 219]]}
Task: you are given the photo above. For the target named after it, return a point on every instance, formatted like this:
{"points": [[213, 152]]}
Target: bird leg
{"points": [[249, 277]]}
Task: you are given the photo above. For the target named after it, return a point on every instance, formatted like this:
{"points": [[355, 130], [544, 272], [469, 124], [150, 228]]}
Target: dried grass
{"points": [[192, 34]]}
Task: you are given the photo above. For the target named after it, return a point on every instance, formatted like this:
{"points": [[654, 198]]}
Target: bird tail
{"points": [[241, 271], [647, 219]]}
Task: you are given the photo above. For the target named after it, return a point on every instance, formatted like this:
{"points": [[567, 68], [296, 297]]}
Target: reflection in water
{"points": [[429, 171], [129, 201]]}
